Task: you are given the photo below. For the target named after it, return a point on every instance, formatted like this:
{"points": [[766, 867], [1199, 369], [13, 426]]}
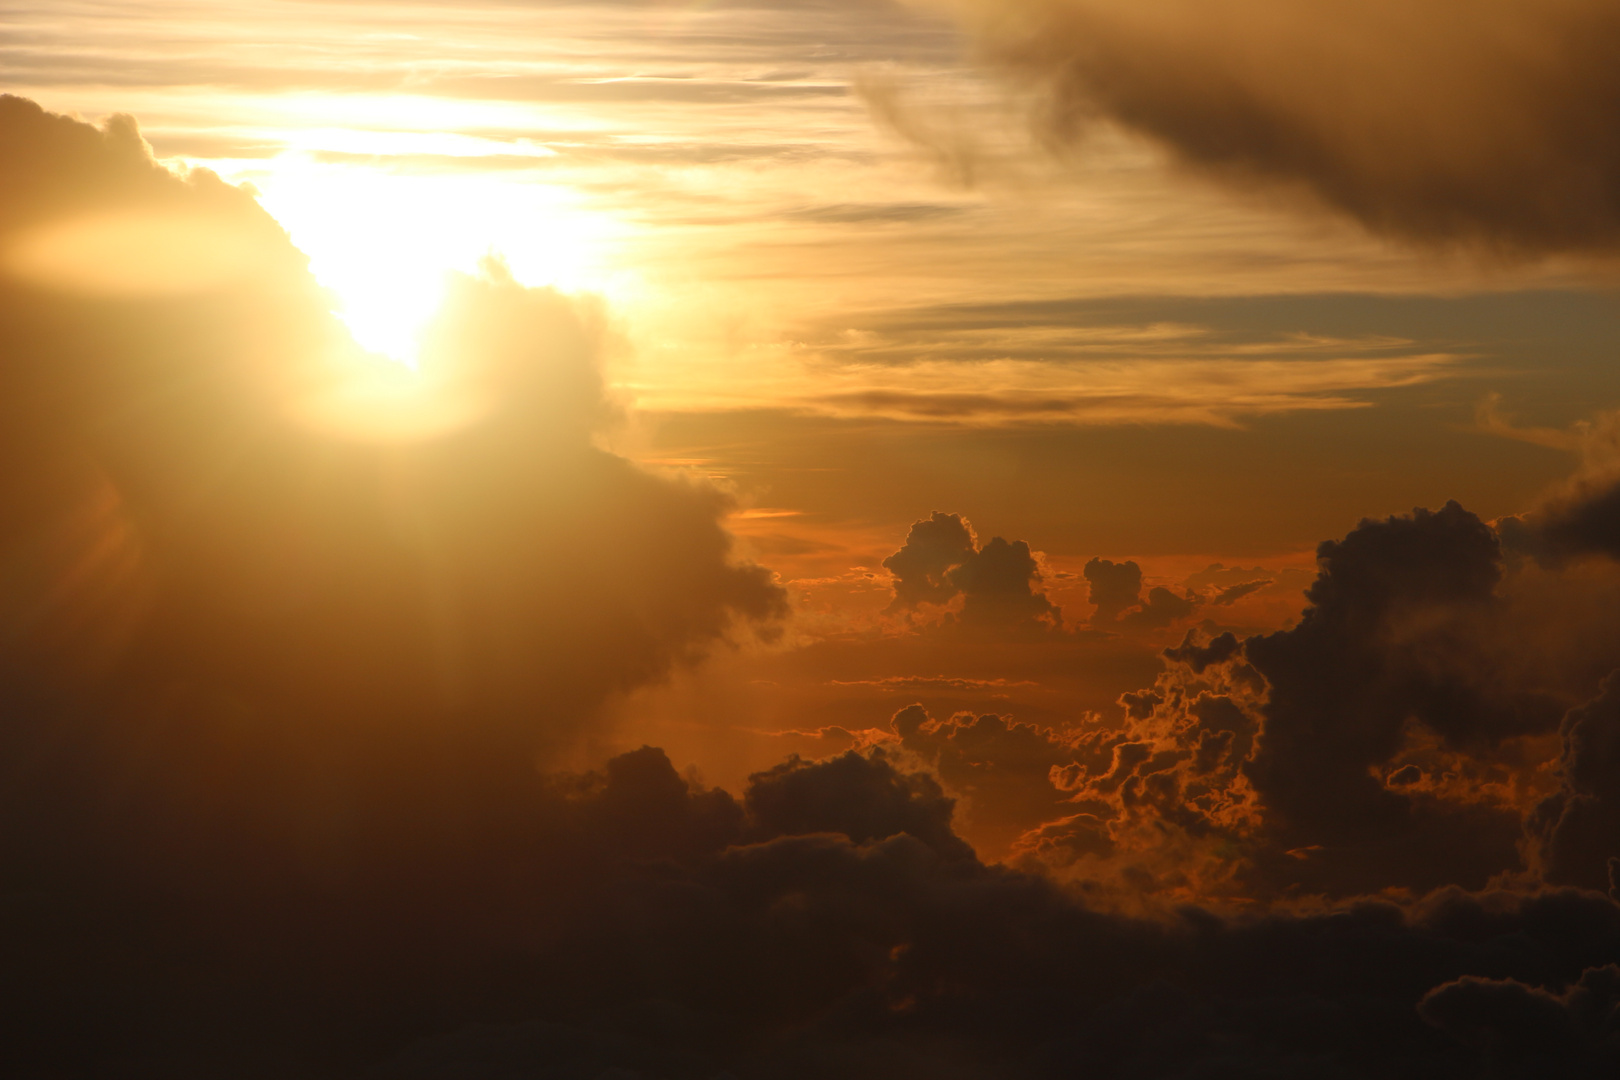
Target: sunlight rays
{"points": [[383, 239]]}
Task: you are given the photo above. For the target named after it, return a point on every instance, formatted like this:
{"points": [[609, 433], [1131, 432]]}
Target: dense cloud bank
{"points": [[206, 487], [272, 694], [1439, 716], [264, 599], [1436, 121], [830, 925]]}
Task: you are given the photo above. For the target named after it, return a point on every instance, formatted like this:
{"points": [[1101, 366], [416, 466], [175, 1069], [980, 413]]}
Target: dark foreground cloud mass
{"points": [[1426, 120], [273, 699], [176, 508], [1433, 719]]}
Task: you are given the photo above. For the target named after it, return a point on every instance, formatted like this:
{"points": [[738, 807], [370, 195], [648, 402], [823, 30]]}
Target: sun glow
{"points": [[137, 253], [383, 239], [375, 401]]}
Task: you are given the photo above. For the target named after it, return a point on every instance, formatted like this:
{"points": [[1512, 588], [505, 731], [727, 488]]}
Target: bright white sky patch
{"points": [[383, 240]]}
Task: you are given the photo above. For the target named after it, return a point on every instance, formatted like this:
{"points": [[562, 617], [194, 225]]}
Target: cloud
{"points": [[262, 550], [1439, 122], [861, 797], [953, 147], [1285, 739], [1062, 362], [1575, 832], [901, 682], [1529, 1031], [1231, 594], [1198, 657], [1161, 608], [998, 582], [1116, 591], [1583, 520], [999, 768], [1046, 391], [242, 643], [1112, 588], [1579, 517], [921, 568], [1402, 735], [1384, 646], [829, 922], [998, 588]]}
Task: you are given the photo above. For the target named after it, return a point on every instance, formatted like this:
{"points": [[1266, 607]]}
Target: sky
{"points": [[832, 538]]}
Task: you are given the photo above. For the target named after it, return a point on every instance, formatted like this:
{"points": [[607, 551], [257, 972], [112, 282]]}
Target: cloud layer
{"points": [[1434, 122]]}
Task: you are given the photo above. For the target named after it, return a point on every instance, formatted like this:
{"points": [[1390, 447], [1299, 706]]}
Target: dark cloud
{"points": [[1233, 593], [1404, 776], [1436, 122], [998, 584], [247, 633], [1386, 650], [1576, 831], [1528, 1031], [627, 920], [1000, 769], [1161, 608], [1398, 736], [1582, 519], [181, 469], [1198, 657], [1113, 587], [1341, 697], [861, 797], [921, 568]]}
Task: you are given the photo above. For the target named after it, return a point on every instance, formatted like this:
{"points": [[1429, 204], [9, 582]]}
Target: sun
{"points": [[383, 240]]}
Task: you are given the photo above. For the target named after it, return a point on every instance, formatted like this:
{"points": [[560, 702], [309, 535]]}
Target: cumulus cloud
{"points": [[862, 797], [166, 485], [806, 954], [1404, 734], [1576, 832], [1115, 589], [998, 587], [1161, 608], [998, 582], [1440, 121], [1112, 587], [1385, 648], [244, 637], [934, 547]]}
